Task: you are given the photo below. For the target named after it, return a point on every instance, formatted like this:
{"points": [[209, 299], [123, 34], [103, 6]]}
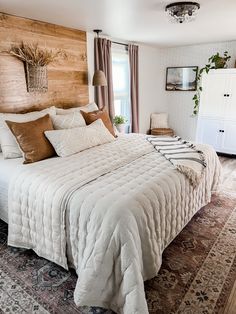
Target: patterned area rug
{"points": [[197, 274]]}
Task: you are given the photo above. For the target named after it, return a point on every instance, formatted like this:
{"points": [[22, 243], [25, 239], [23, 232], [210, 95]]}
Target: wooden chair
{"points": [[159, 125], [162, 131]]}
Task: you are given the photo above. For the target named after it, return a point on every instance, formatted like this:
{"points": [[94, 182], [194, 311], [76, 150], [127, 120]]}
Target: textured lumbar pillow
{"points": [[90, 117], [10, 148], [71, 141], [87, 108], [31, 139], [159, 121], [68, 121]]}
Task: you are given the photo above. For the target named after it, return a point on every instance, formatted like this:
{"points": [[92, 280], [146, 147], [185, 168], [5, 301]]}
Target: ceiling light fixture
{"points": [[182, 12]]}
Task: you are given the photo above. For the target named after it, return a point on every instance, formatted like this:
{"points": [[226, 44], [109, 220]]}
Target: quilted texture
{"points": [[68, 121], [9, 144], [117, 217], [87, 108], [72, 141]]}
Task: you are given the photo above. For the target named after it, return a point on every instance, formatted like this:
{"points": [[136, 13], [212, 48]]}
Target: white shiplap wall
{"points": [[179, 105], [152, 75]]}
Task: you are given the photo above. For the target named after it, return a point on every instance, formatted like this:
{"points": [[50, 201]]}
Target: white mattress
{"points": [[7, 169]]}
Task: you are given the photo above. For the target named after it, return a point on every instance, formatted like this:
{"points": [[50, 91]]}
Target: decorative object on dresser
{"points": [[36, 61], [159, 124], [214, 62], [181, 78], [120, 123], [217, 113]]}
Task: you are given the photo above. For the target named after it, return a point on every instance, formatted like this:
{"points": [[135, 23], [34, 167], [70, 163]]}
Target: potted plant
{"points": [[214, 62], [36, 61], [120, 123]]}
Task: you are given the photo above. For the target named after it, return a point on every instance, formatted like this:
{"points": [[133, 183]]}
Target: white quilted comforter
{"points": [[114, 208]]}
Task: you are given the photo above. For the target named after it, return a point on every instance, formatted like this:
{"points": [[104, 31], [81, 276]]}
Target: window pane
{"points": [[121, 82]]}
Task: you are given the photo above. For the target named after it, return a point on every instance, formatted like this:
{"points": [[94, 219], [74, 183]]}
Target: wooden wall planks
{"points": [[67, 78]]}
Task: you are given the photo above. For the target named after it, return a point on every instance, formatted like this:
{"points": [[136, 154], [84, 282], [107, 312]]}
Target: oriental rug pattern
{"points": [[197, 273]]}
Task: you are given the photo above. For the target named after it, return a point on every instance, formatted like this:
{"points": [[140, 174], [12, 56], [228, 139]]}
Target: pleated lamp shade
{"points": [[99, 78]]}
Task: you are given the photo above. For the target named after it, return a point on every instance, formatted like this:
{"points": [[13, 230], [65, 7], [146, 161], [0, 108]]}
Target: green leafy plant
{"points": [[214, 62], [119, 120]]}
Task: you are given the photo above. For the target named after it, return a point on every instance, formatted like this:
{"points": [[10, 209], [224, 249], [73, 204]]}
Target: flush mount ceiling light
{"points": [[182, 12]]}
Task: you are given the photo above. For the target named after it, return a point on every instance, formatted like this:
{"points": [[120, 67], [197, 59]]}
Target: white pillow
{"points": [[72, 141], [68, 121], [87, 108], [9, 145], [159, 121]]}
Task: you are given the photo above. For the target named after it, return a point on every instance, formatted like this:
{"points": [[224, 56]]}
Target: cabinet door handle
{"points": [[222, 131], [224, 95]]}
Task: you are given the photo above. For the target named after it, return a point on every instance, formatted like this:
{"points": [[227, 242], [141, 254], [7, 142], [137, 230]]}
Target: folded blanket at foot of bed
{"points": [[183, 155]]}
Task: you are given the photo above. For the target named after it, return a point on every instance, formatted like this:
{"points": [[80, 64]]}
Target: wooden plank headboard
{"points": [[67, 78]]}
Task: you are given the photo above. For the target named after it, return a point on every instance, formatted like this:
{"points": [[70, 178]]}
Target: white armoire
{"points": [[217, 113]]}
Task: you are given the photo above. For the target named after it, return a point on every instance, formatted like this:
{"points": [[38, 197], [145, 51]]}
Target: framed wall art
{"points": [[181, 78]]}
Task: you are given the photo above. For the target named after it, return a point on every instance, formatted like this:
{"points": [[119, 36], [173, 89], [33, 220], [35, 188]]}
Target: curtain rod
{"points": [[116, 42]]}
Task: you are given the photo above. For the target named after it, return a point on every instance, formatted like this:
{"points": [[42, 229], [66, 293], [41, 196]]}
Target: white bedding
{"points": [[124, 204], [7, 170]]}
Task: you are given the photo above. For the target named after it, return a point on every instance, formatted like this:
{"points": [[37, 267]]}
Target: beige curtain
{"points": [[134, 87], [103, 61]]}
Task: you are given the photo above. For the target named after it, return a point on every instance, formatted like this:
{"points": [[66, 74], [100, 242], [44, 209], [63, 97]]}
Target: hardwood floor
{"points": [[229, 173], [229, 184]]}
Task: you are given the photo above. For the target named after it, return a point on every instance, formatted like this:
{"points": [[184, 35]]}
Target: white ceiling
{"points": [[133, 20]]}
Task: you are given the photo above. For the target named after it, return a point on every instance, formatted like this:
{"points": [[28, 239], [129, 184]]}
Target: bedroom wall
{"points": [[67, 78], [153, 62], [150, 80], [179, 105]]}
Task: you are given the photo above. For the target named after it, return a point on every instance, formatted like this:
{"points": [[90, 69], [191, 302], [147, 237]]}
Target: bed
{"points": [[7, 168], [109, 212]]}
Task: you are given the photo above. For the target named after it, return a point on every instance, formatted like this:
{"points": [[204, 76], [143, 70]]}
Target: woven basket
{"points": [[166, 132], [37, 78]]}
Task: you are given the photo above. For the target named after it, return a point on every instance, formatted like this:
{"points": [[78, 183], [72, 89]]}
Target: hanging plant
{"points": [[36, 61], [214, 62]]}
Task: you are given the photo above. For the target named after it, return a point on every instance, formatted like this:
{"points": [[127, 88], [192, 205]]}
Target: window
{"points": [[121, 81]]}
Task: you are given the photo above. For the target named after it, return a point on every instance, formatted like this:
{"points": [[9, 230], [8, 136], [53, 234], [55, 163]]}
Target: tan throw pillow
{"points": [[31, 139], [90, 117], [9, 145]]}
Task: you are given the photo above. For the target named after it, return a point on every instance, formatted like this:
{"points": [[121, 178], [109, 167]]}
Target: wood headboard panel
{"points": [[67, 78]]}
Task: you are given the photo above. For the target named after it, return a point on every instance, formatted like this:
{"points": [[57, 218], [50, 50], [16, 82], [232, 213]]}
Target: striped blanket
{"points": [[182, 154]]}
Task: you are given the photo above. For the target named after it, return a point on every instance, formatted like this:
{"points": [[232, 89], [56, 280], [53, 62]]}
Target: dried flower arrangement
{"points": [[36, 61], [32, 54]]}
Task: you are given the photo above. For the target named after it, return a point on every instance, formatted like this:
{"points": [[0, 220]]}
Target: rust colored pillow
{"points": [[92, 116], [31, 139]]}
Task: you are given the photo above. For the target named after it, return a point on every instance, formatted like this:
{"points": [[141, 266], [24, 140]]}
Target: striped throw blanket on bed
{"points": [[182, 154]]}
